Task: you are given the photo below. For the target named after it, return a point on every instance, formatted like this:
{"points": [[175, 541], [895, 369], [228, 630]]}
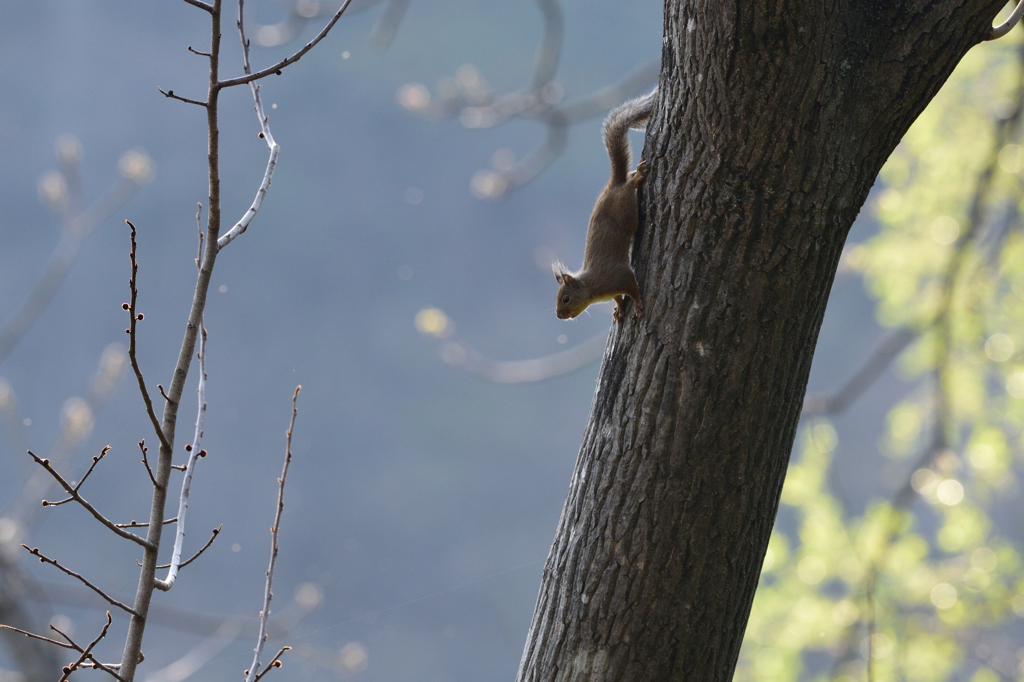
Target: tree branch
{"points": [[275, 662], [73, 492], [86, 652], [194, 453], [170, 94], [33, 635], [251, 673], [201, 5], [275, 149], [53, 562], [183, 564], [276, 68], [136, 317], [145, 462]]}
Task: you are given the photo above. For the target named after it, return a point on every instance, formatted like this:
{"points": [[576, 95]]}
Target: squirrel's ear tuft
{"points": [[559, 271]]}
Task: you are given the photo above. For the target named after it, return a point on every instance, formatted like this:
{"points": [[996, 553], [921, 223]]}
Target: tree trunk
{"points": [[773, 119]]}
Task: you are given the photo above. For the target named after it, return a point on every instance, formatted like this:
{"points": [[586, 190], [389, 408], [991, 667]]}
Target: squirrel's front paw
{"points": [[639, 307]]}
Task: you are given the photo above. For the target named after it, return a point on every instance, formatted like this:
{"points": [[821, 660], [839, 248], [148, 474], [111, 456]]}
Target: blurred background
{"points": [[399, 271]]}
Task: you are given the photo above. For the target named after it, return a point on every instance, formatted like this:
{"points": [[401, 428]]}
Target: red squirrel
{"points": [[606, 273]]}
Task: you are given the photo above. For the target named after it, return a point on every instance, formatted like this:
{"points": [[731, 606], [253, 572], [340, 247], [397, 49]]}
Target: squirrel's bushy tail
{"points": [[632, 114]]}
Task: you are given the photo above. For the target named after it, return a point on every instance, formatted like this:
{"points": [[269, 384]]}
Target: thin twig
{"points": [[163, 393], [202, 237], [251, 673], [194, 453], [200, 4], [53, 562], [111, 668], [45, 463], [275, 662], [135, 317], [86, 653], [135, 524], [195, 51], [276, 68], [170, 94], [95, 461], [183, 564], [142, 446], [33, 635]]}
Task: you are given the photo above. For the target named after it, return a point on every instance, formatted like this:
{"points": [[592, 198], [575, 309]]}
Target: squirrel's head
{"points": [[572, 295]]}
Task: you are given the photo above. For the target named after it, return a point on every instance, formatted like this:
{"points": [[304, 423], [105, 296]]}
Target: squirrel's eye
{"points": [[565, 299]]}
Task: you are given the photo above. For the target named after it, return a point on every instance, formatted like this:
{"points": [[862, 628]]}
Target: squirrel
{"points": [[606, 273]]}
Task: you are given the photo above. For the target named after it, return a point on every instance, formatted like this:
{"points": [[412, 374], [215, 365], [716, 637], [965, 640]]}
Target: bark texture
{"points": [[773, 119]]}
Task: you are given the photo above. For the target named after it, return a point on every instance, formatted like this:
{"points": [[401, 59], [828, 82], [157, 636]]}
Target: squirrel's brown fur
{"points": [[606, 273]]}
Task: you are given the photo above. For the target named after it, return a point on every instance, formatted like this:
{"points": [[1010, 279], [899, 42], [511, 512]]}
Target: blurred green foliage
{"points": [[923, 583]]}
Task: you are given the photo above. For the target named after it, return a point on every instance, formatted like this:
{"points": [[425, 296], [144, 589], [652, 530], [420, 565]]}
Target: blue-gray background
{"points": [[422, 500]]}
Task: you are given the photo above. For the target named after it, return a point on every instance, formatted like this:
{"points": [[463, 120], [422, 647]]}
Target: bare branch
{"points": [[1011, 21], [86, 653], [202, 236], [170, 94], [194, 453], [251, 673], [275, 662], [32, 635], [95, 461], [275, 149], [53, 562], [216, 532], [45, 463], [70, 644], [201, 5], [163, 393], [135, 524], [145, 462], [194, 51], [135, 317], [276, 68]]}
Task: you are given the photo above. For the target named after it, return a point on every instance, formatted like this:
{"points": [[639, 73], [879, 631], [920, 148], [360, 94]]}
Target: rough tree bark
{"points": [[773, 120]]}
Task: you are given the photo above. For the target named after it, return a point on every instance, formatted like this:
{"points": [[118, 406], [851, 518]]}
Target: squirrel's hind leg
{"points": [[637, 176]]}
